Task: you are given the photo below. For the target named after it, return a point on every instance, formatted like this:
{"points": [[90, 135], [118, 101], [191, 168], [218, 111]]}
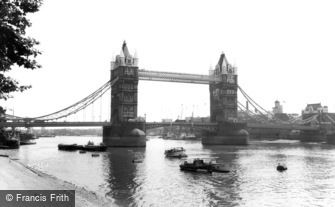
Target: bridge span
{"points": [[54, 124], [208, 125]]}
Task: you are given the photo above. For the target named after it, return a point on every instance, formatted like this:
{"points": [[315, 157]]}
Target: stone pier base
{"points": [[312, 136], [228, 133], [125, 141], [127, 135], [225, 140]]}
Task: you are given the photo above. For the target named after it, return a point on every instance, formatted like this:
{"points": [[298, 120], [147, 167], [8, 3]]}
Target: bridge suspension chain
{"points": [[258, 107], [250, 114], [254, 104], [331, 119], [252, 101], [74, 108]]}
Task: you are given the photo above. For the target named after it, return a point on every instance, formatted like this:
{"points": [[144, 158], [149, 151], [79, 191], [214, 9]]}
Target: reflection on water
{"points": [[157, 181], [122, 174]]}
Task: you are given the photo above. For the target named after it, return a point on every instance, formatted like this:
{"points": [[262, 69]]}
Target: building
{"points": [[197, 119], [278, 109], [166, 120], [313, 109]]}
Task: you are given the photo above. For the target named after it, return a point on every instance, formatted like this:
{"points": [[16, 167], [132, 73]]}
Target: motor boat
{"points": [[199, 165], [69, 147], [176, 152], [92, 147]]}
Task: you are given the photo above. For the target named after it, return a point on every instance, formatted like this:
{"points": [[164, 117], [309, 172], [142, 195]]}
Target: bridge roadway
{"points": [[214, 125], [151, 125], [53, 124]]}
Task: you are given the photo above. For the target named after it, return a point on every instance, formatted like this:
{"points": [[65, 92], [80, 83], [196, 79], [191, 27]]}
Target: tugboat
{"points": [[218, 168], [199, 165], [177, 152], [69, 147], [91, 147]]}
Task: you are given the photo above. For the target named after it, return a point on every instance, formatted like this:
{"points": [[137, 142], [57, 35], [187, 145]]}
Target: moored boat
{"points": [[10, 142], [69, 147], [92, 147], [177, 152], [27, 142]]}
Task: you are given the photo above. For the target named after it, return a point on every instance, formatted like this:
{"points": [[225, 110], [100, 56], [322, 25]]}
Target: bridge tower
{"points": [[223, 95], [223, 106], [126, 129]]}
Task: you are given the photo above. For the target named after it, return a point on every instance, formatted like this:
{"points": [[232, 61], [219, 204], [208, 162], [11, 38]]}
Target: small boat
{"points": [[95, 155], [10, 143], [47, 136], [82, 151], [200, 165], [218, 168], [137, 161], [4, 155], [197, 165], [176, 152], [281, 168], [26, 136], [69, 147], [95, 148], [27, 142]]}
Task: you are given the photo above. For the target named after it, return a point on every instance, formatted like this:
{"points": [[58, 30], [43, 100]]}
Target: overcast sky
{"points": [[283, 51]]}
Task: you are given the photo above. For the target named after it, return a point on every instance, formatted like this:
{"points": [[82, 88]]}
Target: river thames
{"points": [[157, 181]]}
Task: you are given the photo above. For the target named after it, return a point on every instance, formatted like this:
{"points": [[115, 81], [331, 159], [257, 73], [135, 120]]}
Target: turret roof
{"points": [[222, 62], [125, 49]]}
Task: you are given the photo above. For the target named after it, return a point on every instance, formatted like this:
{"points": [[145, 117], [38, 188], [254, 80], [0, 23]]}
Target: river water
{"points": [[157, 181]]}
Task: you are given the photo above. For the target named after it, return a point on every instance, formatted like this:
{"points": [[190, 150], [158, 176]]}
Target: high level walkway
{"points": [[176, 77]]}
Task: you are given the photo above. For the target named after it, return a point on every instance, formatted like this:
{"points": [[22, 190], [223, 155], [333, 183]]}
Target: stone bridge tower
{"points": [[223, 107], [126, 129], [223, 95], [124, 91]]}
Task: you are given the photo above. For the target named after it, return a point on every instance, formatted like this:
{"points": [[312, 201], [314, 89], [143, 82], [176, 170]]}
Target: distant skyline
{"points": [[283, 51]]}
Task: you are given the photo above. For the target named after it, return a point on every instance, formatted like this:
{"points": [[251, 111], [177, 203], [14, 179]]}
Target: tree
{"points": [[16, 49]]}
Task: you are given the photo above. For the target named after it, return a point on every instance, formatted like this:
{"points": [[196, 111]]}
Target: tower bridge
{"points": [[125, 129]]}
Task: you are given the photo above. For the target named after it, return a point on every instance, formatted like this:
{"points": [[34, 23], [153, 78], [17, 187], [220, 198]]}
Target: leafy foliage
{"points": [[15, 47]]}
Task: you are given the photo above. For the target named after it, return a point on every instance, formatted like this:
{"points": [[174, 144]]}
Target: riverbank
{"points": [[15, 175]]}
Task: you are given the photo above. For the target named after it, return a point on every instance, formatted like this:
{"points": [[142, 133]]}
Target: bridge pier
{"points": [[312, 136], [269, 133], [223, 107], [127, 129], [129, 134], [228, 133]]}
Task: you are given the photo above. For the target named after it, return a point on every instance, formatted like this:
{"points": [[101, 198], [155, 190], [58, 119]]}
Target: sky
{"points": [[283, 51]]}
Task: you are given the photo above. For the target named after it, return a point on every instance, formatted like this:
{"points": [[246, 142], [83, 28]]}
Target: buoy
{"points": [[281, 168]]}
